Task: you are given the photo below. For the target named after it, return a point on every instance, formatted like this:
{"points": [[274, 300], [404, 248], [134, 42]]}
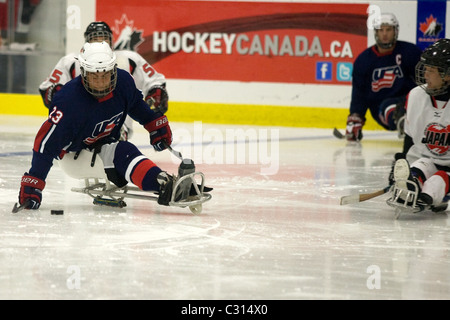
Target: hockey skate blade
{"points": [[354, 198]]}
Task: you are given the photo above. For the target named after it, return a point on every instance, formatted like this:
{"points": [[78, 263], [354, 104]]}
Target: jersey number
{"points": [[149, 70], [56, 76], [55, 115]]}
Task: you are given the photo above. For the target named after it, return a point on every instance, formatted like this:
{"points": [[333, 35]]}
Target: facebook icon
{"points": [[323, 71]]}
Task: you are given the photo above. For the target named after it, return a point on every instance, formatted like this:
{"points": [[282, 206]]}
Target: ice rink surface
{"points": [[273, 230]]}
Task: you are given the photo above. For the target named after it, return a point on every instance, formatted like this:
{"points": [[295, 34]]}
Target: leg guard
{"points": [[134, 166], [78, 165]]}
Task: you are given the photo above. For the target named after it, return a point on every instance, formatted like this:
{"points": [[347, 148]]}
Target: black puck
{"points": [[57, 212]]}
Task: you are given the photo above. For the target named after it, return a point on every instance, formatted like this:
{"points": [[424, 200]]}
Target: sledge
{"points": [[104, 193]]}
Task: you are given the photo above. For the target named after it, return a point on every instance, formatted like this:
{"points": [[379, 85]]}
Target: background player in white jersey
{"points": [[383, 74], [148, 80], [427, 133]]}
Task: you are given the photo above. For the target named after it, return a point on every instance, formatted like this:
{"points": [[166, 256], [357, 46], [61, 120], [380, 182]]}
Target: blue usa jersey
{"points": [[380, 76], [77, 120]]}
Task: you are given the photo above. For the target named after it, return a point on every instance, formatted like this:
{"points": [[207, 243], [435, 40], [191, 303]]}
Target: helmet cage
{"points": [[386, 19], [421, 81], [99, 36], [98, 58], [97, 32], [99, 93]]}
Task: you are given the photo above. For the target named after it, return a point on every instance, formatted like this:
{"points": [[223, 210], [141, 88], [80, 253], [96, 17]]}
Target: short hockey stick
{"points": [[360, 197], [21, 207], [338, 134], [174, 152]]}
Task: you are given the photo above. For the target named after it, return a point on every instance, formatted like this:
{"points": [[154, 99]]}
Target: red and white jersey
{"points": [[143, 73], [428, 124]]}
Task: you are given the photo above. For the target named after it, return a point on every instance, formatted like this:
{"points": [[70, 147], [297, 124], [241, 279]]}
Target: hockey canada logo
{"points": [[430, 28], [128, 37], [437, 139]]}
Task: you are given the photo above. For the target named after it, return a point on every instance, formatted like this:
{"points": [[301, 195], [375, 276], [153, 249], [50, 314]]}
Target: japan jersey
{"points": [[143, 73], [377, 77], [77, 120], [428, 124]]}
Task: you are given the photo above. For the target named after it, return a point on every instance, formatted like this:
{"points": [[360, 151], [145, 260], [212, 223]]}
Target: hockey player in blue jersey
{"points": [[87, 113], [383, 74], [147, 79]]}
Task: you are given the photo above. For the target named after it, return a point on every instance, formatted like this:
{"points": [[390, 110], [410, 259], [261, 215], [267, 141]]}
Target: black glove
{"points": [[50, 92], [160, 133], [31, 191], [158, 99], [354, 127], [399, 111]]}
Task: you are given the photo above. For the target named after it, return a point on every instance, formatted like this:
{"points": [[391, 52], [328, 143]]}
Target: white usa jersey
{"points": [[143, 73], [428, 124]]}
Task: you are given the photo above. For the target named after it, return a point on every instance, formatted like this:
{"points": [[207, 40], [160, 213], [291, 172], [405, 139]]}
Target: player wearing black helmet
{"points": [[98, 30], [433, 69], [426, 182]]}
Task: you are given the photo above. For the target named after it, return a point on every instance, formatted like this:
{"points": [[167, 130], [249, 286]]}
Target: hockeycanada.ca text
{"points": [[243, 44]]}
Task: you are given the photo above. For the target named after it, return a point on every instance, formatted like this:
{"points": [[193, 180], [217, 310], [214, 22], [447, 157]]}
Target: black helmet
{"points": [[98, 29], [437, 55]]}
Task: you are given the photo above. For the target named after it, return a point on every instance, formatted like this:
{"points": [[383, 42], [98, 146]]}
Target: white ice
{"points": [[274, 228]]}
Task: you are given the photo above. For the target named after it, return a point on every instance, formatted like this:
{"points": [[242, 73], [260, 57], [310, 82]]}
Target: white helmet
{"points": [[388, 19], [94, 58]]}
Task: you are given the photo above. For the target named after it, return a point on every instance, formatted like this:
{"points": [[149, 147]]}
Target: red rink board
{"points": [[243, 41]]}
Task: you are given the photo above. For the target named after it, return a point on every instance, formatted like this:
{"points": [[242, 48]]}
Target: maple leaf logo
{"points": [[431, 27], [128, 37]]}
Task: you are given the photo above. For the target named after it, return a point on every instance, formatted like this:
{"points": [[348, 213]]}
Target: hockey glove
{"points": [[157, 98], [50, 92], [31, 190], [354, 127], [399, 111], [160, 133]]}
